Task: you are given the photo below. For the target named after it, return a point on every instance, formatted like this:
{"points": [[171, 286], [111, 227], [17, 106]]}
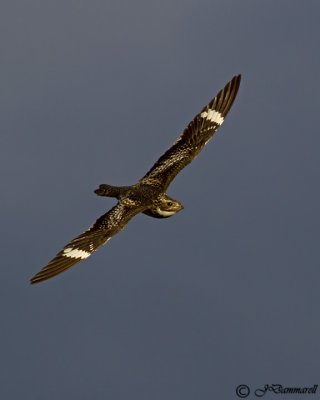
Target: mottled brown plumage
{"points": [[148, 196]]}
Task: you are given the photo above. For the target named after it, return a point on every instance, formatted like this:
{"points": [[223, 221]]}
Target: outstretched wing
{"points": [[89, 241], [196, 135]]}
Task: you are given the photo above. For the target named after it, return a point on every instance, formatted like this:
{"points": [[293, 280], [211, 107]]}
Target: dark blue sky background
{"points": [[224, 293]]}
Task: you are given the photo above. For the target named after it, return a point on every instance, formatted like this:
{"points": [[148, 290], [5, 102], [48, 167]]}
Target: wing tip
{"points": [[225, 98], [55, 267], [236, 78], [34, 280]]}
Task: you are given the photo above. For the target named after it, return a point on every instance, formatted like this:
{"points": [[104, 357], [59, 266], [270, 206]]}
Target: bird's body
{"points": [[148, 196]]}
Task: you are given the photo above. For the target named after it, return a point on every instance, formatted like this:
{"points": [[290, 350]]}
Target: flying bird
{"points": [[149, 195]]}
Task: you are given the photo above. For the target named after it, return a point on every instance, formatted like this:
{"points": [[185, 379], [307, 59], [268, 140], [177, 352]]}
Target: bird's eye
{"points": [[169, 203]]}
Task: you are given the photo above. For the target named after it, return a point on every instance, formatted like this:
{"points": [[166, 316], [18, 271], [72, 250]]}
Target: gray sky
{"points": [[225, 292]]}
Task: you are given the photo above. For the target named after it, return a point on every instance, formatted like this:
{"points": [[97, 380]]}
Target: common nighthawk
{"points": [[148, 196]]}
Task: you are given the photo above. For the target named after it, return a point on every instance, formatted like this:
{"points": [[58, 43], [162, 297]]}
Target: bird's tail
{"points": [[108, 191]]}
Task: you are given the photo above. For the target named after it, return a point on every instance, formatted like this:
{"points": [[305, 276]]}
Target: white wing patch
{"points": [[75, 253], [213, 116]]}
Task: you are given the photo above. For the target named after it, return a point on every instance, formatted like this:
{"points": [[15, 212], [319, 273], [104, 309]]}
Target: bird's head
{"points": [[166, 206]]}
